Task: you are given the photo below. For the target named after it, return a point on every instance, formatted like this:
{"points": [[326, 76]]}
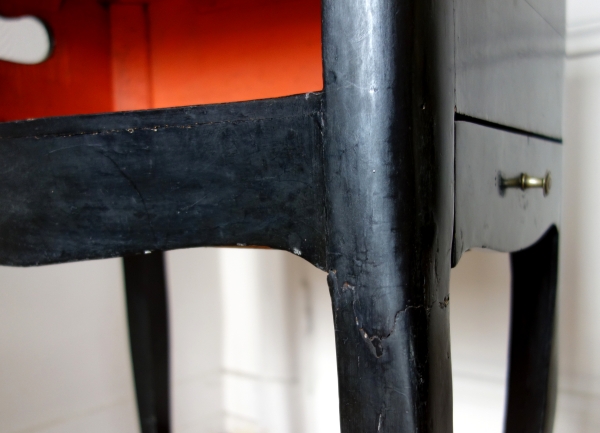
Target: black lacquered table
{"points": [[438, 130]]}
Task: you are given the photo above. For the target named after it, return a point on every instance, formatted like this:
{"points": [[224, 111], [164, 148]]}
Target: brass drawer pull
{"points": [[524, 181]]}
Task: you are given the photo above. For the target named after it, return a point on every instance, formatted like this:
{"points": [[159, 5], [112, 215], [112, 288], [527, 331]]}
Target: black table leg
{"points": [[388, 166], [532, 374], [393, 366], [145, 288]]}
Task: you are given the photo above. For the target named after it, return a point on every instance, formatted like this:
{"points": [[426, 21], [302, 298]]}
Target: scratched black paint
{"points": [[388, 175], [358, 180], [86, 187]]}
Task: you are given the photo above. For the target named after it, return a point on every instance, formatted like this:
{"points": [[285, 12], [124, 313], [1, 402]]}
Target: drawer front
{"points": [[509, 62], [488, 215]]}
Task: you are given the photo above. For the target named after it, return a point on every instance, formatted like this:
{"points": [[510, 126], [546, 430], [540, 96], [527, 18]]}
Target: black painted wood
{"points": [[532, 362], [357, 180], [146, 293], [510, 61], [86, 187], [388, 171], [488, 216]]}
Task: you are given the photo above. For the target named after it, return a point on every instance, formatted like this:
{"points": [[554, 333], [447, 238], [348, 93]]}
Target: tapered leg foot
{"points": [[145, 289], [532, 376], [393, 359]]}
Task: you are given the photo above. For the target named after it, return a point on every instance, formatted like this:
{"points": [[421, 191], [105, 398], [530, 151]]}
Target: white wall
{"points": [[579, 329], [479, 317], [251, 340], [196, 327], [64, 360]]}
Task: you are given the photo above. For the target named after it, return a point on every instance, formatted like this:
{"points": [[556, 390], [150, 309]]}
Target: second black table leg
{"points": [[145, 288], [532, 378]]}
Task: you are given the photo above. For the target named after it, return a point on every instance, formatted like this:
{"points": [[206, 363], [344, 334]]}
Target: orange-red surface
{"points": [[161, 53], [130, 56]]}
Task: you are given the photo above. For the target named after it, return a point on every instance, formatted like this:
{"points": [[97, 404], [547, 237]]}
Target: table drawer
{"points": [[490, 215]]}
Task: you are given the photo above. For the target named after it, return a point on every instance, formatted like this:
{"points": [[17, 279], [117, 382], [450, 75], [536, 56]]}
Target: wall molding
{"points": [[583, 40]]}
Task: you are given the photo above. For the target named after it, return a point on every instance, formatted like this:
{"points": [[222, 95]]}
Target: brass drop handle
{"points": [[524, 181]]}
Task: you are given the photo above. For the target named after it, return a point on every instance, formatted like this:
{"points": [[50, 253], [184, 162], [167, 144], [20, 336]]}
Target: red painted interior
{"points": [[130, 54]]}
